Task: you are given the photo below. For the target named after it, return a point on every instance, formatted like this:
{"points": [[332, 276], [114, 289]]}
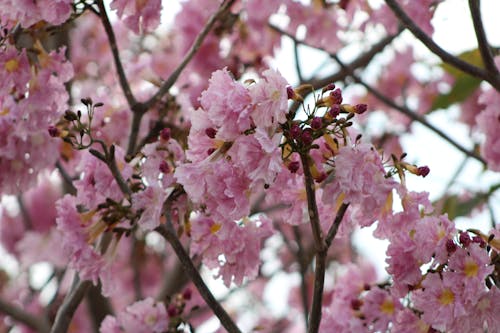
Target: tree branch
{"points": [[39, 324], [446, 57], [71, 302], [410, 114], [187, 58], [482, 41], [303, 264], [319, 244], [169, 234], [116, 55], [332, 232]]}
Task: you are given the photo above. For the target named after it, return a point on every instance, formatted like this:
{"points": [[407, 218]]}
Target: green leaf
{"points": [[464, 84], [456, 206]]}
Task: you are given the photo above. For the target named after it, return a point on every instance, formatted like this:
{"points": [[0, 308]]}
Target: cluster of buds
{"points": [[176, 307], [301, 134], [73, 129]]}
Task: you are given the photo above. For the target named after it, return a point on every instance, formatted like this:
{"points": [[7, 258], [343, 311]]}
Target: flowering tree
{"points": [[146, 160]]}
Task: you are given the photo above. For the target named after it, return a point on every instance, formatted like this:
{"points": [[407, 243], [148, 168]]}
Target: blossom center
{"points": [[387, 307], [447, 297], [214, 228], [11, 65], [471, 268]]}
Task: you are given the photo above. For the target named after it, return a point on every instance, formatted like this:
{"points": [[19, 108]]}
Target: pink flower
{"points": [[379, 309], [472, 265], [488, 122], [407, 321], [360, 180], [439, 301], [146, 316], [139, 15], [239, 244], [227, 104], [270, 100]]}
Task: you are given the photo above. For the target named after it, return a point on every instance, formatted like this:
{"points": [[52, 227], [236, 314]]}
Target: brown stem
{"points": [[39, 324], [70, 304], [409, 113], [448, 58], [187, 58], [169, 234], [319, 245], [303, 264], [116, 55], [332, 232], [482, 41]]}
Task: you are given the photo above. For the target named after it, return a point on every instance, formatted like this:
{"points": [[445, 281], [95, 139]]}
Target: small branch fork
{"points": [[490, 74], [139, 109], [321, 243]]}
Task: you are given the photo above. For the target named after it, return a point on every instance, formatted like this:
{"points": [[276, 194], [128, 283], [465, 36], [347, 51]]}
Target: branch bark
{"points": [[39, 324], [169, 234], [446, 57]]}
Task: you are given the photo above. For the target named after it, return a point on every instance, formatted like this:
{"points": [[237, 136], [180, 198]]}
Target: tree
{"points": [[147, 160]]}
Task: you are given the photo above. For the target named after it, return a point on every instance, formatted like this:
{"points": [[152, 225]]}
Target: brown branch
{"points": [[319, 245], [446, 57], [482, 41], [187, 58], [303, 264], [409, 113], [39, 324], [116, 55], [332, 232], [71, 302], [169, 234]]}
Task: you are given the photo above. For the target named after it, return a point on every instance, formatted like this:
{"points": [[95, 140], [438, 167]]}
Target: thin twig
{"points": [[332, 232], [26, 218], [482, 41], [448, 58], [39, 324], [68, 181], [187, 58], [298, 68], [410, 114], [70, 304], [169, 234], [116, 55], [301, 258]]}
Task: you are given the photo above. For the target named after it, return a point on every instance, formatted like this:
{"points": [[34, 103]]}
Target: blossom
{"points": [[145, 316], [379, 308], [239, 244], [472, 266], [360, 180], [439, 301], [138, 15], [227, 104], [270, 100]]}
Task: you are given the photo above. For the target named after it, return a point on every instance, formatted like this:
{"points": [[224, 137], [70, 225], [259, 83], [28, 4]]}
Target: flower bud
{"points": [[53, 131], [165, 134], [211, 132], [316, 123], [294, 166]]}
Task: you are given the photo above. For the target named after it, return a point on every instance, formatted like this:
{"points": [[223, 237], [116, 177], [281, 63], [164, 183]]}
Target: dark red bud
{"points": [[164, 167], [334, 111], [53, 131], [479, 240], [316, 123], [289, 92], [210, 151], [165, 134], [295, 131], [451, 246], [187, 294], [464, 239], [172, 310], [356, 304], [423, 171], [360, 108], [211, 132], [336, 96], [294, 166], [307, 137]]}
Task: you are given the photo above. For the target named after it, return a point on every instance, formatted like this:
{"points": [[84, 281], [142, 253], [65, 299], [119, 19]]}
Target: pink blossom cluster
{"points": [[29, 12], [145, 316], [33, 96]]}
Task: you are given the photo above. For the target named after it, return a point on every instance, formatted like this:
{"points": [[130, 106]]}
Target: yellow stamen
{"points": [[447, 297]]}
